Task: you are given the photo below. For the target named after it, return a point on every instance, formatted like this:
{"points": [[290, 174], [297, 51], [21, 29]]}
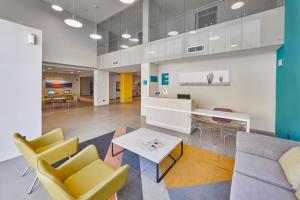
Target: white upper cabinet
{"points": [[272, 31], [157, 50], [234, 35], [196, 42], [217, 38], [174, 46], [253, 31]]}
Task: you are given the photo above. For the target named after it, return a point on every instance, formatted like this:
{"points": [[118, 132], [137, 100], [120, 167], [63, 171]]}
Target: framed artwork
{"points": [[58, 84]]}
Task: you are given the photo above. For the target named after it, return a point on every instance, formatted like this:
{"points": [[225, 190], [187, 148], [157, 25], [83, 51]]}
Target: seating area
{"points": [[57, 100], [150, 100]]}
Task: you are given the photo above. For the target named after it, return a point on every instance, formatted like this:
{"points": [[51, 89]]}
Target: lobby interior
{"points": [[199, 98]]}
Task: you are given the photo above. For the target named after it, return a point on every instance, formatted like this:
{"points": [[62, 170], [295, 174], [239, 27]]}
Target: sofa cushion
{"points": [[290, 163], [263, 169], [247, 188]]}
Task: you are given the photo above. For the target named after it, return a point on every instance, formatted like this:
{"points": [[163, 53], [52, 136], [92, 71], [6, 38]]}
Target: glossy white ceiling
{"points": [[86, 10]]}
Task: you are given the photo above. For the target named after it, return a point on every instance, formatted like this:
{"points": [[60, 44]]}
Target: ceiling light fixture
{"points": [[127, 1], [95, 35], [213, 38], [49, 68], [234, 45], [123, 46], [134, 39], [57, 8], [237, 5], [173, 33], [126, 35], [72, 22]]}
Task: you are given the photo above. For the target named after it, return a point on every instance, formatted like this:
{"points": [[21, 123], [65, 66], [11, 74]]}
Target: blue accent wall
{"points": [[288, 76]]}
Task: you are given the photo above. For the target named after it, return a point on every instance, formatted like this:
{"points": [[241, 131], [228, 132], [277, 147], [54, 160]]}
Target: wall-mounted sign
{"points": [[153, 79], [145, 82], [165, 79]]}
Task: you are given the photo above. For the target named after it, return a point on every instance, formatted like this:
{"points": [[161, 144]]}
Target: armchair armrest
{"points": [[79, 161], [109, 186], [264, 146], [60, 151], [48, 138]]}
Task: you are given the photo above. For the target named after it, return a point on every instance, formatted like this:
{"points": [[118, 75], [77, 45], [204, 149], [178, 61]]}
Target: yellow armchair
{"points": [[51, 147], [84, 177]]}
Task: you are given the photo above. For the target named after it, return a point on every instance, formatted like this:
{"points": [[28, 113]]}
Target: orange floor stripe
{"points": [[197, 167]]}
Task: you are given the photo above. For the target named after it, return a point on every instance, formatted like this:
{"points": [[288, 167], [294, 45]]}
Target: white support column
{"points": [[146, 13], [145, 75], [101, 87]]}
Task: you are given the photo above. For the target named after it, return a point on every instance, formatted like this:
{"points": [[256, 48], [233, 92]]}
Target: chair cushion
{"points": [[290, 163], [261, 168], [88, 177], [298, 194], [44, 148], [247, 188]]}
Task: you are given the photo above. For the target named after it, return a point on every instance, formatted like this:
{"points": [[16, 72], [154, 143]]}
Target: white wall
{"points": [[252, 89], [112, 86], [20, 86], [61, 43], [74, 78], [85, 89]]}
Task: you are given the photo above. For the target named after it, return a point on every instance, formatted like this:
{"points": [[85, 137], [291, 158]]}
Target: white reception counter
{"points": [[169, 113]]}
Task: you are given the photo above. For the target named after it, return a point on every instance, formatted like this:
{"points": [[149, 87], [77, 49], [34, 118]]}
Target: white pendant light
{"points": [[72, 22], [134, 40], [95, 35], [237, 5], [126, 35], [127, 1], [57, 8]]}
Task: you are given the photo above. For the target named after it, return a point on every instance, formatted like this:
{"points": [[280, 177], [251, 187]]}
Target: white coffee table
{"points": [[136, 142]]}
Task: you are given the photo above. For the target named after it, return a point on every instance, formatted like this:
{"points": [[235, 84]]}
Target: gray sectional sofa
{"points": [[257, 173]]}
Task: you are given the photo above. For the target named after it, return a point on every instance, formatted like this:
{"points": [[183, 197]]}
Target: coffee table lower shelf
{"points": [[158, 177]]}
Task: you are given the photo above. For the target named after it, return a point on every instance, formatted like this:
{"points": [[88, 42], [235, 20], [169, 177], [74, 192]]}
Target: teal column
{"points": [[288, 76]]}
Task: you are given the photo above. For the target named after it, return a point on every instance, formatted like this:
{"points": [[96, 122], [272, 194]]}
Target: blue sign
{"points": [[153, 79], [145, 82], [165, 78]]}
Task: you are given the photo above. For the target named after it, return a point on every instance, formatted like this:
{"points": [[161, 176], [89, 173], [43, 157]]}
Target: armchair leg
{"points": [[26, 170], [33, 184]]}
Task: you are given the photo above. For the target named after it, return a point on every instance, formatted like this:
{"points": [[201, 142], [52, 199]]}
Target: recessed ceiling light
{"points": [[212, 38], [72, 72], [78, 71], [73, 23], [49, 68], [237, 5], [134, 39], [124, 46], [234, 45], [193, 32], [173, 33], [95, 36], [127, 1], [57, 8]]}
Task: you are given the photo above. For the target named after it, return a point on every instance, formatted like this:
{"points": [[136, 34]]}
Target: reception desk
{"points": [[169, 113]]}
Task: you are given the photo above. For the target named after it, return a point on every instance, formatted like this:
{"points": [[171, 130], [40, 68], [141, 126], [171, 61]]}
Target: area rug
{"points": [[199, 174]]}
